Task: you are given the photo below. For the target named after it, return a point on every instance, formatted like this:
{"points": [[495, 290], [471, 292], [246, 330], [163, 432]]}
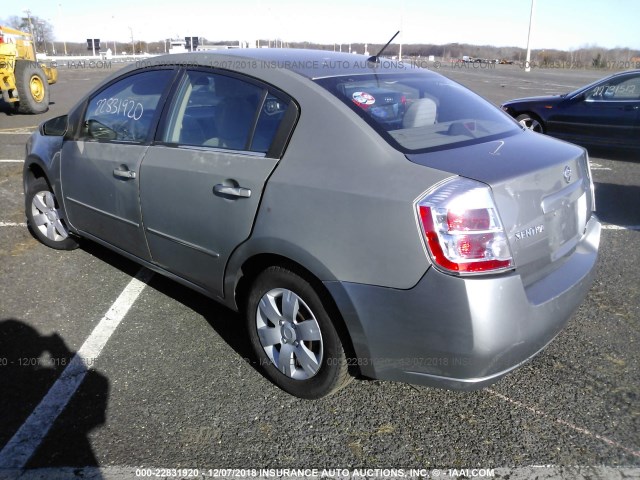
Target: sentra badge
{"points": [[529, 232]]}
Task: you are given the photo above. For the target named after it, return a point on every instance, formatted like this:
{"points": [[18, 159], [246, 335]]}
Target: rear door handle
{"points": [[232, 191], [126, 174], [631, 107]]}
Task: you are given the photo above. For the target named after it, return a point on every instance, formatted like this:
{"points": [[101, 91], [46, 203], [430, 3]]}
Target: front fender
{"points": [[43, 158]]}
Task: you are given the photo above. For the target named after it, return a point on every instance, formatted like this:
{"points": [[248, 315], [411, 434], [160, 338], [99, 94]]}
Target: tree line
{"points": [[587, 56]]}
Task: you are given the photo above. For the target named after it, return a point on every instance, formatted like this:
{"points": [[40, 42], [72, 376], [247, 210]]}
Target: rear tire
{"points": [[32, 86], [45, 217], [293, 336]]}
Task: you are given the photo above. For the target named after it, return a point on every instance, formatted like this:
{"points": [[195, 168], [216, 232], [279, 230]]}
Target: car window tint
{"points": [[420, 111], [617, 89], [125, 110], [213, 110]]}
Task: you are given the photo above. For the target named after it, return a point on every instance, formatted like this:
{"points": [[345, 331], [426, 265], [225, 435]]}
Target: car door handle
{"points": [[232, 191], [126, 174], [631, 107]]}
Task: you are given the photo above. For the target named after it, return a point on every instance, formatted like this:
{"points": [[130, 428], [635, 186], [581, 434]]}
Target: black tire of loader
{"points": [[25, 71]]}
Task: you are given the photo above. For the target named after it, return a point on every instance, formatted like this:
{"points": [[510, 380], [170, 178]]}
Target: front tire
{"points": [[45, 217], [293, 336], [530, 121], [32, 86]]}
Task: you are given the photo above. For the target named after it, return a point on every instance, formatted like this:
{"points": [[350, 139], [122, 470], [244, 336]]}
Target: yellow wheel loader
{"points": [[24, 82]]}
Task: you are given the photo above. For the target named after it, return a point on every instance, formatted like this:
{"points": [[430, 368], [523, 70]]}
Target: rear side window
{"points": [[125, 110], [626, 88], [214, 110], [418, 111]]}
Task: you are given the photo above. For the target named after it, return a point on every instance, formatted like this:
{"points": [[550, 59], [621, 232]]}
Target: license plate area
{"points": [[565, 216]]}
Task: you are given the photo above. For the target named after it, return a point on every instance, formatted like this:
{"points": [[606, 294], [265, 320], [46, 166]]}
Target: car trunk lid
{"points": [[542, 189]]}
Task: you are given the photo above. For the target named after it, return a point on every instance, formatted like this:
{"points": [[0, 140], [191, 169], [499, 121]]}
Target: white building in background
{"points": [[177, 45], [180, 46]]}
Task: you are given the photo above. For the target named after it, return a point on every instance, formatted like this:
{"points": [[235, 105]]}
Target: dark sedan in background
{"points": [[604, 113]]}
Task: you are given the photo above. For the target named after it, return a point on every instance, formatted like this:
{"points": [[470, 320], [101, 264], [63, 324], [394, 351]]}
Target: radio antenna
{"points": [[374, 58]]}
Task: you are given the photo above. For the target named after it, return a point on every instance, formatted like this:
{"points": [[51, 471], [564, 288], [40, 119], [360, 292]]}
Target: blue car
{"points": [[604, 113]]}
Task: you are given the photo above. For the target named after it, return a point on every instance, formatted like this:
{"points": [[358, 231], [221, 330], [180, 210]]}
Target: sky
{"points": [[561, 24]]}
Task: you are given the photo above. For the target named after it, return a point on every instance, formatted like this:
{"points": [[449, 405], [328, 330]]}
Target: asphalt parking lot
{"points": [[171, 388]]}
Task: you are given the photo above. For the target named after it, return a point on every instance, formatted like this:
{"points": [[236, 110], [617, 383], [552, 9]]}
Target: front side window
{"points": [[420, 111], [616, 89], [125, 110], [214, 110]]}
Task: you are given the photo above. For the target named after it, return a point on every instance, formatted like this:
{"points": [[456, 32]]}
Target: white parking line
{"points": [[7, 160], [28, 438], [17, 131], [12, 224], [564, 423]]}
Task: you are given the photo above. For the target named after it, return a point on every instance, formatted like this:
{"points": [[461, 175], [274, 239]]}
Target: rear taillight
{"points": [[462, 228]]}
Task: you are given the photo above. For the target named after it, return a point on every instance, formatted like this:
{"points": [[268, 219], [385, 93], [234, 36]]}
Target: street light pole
{"points": [[133, 45], [53, 45], [113, 21], [527, 65], [64, 42], [401, 20]]}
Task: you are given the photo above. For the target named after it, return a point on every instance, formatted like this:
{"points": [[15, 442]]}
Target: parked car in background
{"points": [[604, 113], [366, 219]]}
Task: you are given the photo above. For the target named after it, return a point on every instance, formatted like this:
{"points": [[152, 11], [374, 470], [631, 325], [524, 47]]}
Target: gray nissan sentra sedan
{"points": [[366, 217]]}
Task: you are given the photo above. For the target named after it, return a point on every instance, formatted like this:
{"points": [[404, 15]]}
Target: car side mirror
{"points": [[56, 127], [100, 131]]}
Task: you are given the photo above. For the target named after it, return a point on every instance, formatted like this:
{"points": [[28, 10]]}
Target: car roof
{"points": [[603, 79], [312, 64], [620, 74], [628, 72]]}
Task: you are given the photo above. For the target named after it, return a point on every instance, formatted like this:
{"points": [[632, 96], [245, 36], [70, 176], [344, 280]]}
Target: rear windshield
{"points": [[417, 112]]}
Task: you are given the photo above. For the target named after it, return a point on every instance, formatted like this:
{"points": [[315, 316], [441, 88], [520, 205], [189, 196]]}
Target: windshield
{"points": [[420, 111]]}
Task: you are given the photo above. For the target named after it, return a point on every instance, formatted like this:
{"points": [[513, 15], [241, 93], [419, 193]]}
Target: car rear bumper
{"points": [[463, 333]]}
